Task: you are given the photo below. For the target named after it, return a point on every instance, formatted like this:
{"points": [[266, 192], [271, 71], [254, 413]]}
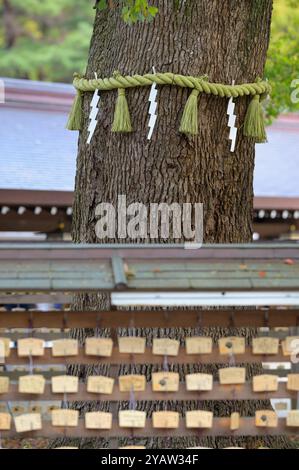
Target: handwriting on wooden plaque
{"points": [[293, 382], [98, 420], [266, 419], [135, 383], [65, 347], [199, 382], [65, 418], [30, 347], [265, 345], [199, 419], [199, 345], [231, 345], [290, 345], [131, 345], [34, 384], [100, 384], [265, 383], [4, 385], [65, 384], [132, 419], [234, 421], [166, 347], [4, 347], [232, 375], [5, 421], [166, 419], [293, 419], [165, 381], [98, 347], [28, 422]]}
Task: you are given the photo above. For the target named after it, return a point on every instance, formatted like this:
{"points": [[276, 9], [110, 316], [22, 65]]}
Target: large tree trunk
{"points": [[227, 40]]}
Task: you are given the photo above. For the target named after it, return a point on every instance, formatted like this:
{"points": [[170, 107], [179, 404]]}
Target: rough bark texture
{"points": [[227, 42]]}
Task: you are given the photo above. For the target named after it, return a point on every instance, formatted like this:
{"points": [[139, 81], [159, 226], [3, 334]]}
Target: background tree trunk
{"points": [[227, 40]]}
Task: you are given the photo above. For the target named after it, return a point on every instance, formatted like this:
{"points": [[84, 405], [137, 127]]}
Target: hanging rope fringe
{"points": [[75, 118], [254, 124], [122, 119], [189, 122]]}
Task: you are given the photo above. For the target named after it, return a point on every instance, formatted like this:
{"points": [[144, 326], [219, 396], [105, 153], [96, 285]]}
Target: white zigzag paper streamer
{"points": [[93, 114], [152, 109], [232, 123]]}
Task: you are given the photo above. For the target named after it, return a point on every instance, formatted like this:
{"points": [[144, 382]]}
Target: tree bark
{"points": [[227, 42]]}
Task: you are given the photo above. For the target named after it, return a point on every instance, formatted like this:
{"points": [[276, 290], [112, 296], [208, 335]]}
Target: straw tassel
{"points": [[122, 119], [189, 123], [75, 117], [254, 124]]}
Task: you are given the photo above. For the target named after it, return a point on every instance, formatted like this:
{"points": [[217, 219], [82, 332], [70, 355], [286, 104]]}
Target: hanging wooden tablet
{"points": [[131, 345], [34, 384], [4, 385], [98, 420], [199, 382], [65, 417], [166, 419], [131, 419], [100, 384], [265, 345], [234, 421], [199, 345], [4, 347], [165, 347], [290, 345], [28, 422], [30, 347], [165, 381], [231, 345], [266, 419], [5, 421], [98, 347], [199, 419], [65, 347], [265, 383], [65, 384], [293, 419], [132, 383], [293, 382], [232, 375]]}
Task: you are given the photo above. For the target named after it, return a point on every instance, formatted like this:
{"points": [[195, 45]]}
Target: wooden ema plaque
{"points": [[165, 347], [265, 383], [166, 419], [100, 384], [232, 376], [65, 418], [293, 419], [266, 419], [131, 419], [199, 419], [293, 382], [30, 347], [65, 384], [290, 345], [199, 382], [28, 422], [132, 383], [5, 421], [65, 347], [199, 345], [4, 385], [34, 384], [98, 420], [234, 421], [101, 347], [4, 348], [165, 381], [131, 345], [265, 345], [231, 345]]}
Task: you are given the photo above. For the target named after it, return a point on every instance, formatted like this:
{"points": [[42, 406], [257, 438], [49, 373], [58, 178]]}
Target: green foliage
{"points": [[132, 10]]}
